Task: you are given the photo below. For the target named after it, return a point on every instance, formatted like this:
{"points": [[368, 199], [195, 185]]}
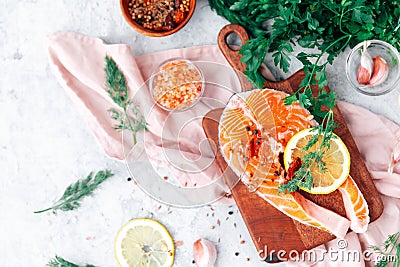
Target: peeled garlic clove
{"points": [[365, 69], [380, 72], [395, 157], [204, 252]]}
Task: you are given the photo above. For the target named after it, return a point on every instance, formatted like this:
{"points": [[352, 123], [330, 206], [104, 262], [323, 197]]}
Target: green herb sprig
{"points": [[118, 91], [386, 257], [74, 193], [328, 26], [60, 262]]}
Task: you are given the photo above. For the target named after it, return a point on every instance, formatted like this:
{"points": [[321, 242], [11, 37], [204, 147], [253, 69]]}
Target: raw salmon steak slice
{"points": [[254, 129], [355, 205], [303, 210]]}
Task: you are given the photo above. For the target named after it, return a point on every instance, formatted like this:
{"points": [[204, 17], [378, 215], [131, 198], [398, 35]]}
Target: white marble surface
{"points": [[45, 145]]}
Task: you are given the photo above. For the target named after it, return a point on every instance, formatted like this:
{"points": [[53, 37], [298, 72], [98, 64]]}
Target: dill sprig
{"points": [[385, 257], [117, 89], [60, 262], [74, 193]]}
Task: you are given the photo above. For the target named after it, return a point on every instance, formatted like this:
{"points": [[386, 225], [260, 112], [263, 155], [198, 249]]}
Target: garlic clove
{"points": [[365, 69], [395, 157], [380, 72], [204, 252]]}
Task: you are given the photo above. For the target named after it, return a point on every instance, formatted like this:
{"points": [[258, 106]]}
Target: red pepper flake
{"points": [[293, 167], [179, 243], [165, 177], [212, 227], [242, 242], [218, 222]]}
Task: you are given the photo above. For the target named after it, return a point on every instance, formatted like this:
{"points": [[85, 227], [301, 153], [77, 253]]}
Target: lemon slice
{"points": [[336, 158], [144, 243]]}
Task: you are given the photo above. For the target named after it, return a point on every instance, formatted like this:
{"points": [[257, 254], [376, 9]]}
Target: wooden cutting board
{"points": [[268, 227]]}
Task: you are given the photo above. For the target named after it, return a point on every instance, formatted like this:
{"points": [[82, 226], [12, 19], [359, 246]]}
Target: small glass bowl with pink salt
{"points": [[176, 84]]}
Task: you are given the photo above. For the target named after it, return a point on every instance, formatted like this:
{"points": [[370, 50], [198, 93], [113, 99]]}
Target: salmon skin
{"points": [[254, 129]]}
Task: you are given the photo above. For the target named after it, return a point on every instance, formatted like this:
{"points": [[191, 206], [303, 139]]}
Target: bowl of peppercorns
{"points": [[157, 18]]}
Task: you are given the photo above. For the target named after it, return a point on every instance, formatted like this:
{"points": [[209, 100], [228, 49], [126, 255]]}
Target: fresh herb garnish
{"points": [[74, 193], [60, 262], [385, 254], [327, 27], [118, 91]]}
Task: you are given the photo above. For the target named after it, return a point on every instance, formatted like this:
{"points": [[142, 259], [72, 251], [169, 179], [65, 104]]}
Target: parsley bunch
{"points": [[326, 27], [329, 26]]}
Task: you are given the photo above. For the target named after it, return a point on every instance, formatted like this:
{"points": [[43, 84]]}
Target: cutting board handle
{"points": [[233, 57]]}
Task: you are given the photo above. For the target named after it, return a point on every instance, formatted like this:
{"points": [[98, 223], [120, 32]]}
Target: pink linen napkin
{"points": [[78, 63], [375, 137]]}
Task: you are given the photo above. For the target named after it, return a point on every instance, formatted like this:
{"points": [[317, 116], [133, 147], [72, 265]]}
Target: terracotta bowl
{"points": [[125, 12]]}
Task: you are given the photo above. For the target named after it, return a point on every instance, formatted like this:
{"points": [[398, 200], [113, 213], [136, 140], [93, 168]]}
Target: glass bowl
{"points": [[177, 84], [374, 48]]}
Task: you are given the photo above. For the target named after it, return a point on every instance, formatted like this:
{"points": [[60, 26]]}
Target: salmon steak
{"points": [[253, 132]]}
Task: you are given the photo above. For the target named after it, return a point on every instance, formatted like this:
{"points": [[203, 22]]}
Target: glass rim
{"points": [[156, 70], [353, 52]]}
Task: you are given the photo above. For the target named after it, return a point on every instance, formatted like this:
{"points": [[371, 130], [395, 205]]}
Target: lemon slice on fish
{"points": [[144, 242], [336, 159]]}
